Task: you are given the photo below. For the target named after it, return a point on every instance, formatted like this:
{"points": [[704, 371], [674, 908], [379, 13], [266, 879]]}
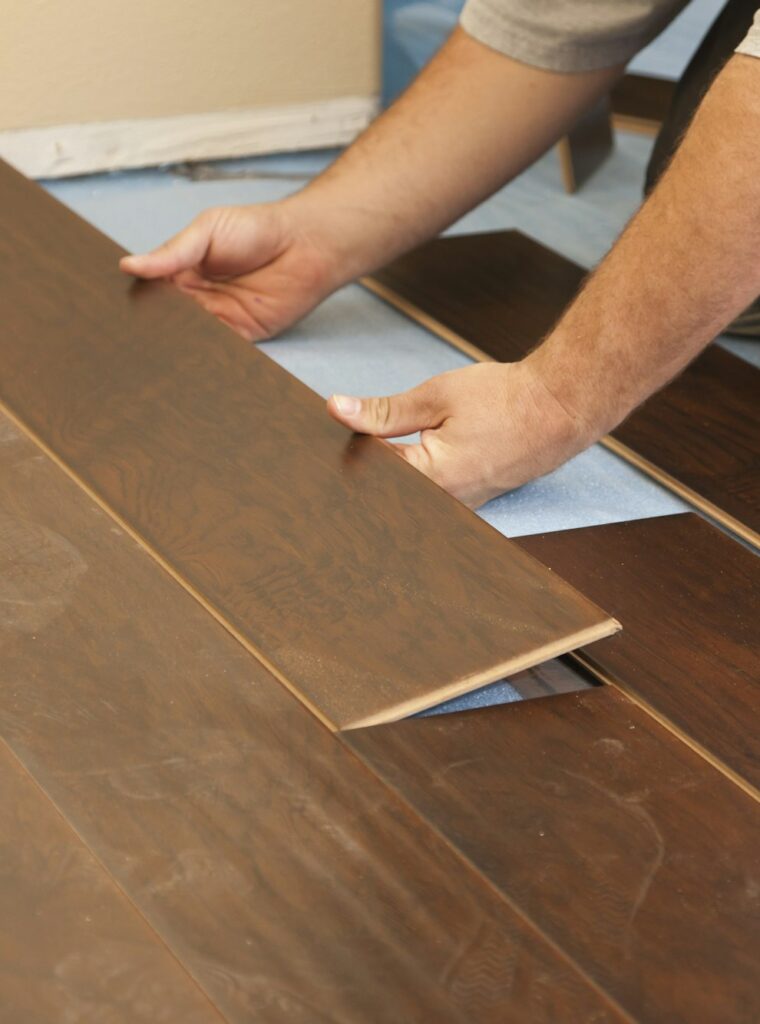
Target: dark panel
{"points": [[497, 295], [499, 291], [620, 842], [689, 600], [703, 430], [322, 549], [72, 948], [292, 883]]}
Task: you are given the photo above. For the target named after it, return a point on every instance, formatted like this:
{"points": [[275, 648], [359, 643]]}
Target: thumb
{"points": [[184, 250], [391, 416]]}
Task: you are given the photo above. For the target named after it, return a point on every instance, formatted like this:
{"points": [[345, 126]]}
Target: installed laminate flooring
{"points": [[621, 843], [689, 600], [320, 550], [73, 948], [701, 436], [289, 881], [496, 295]]}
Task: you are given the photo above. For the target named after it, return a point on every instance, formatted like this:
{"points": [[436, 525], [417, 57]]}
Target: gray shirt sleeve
{"points": [[560, 35]]}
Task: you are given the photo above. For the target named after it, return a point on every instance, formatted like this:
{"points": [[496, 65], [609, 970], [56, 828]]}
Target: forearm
{"points": [[472, 120], [685, 266]]}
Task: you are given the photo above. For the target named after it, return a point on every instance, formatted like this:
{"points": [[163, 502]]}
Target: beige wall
{"points": [[75, 61]]}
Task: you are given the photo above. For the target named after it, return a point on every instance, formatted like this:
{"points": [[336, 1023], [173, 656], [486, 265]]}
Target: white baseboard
{"points": [[67, 149]]}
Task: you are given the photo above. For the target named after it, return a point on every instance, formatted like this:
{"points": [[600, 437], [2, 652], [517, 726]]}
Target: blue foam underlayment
{"points": [[356, 344]]}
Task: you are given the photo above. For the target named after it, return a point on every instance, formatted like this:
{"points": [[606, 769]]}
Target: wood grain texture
{"points": [[321, 550], [496, 295], [288, 880], [703, 431], [640, 103], [500, 292], [619, 841], [72, 948], [689, 600]]}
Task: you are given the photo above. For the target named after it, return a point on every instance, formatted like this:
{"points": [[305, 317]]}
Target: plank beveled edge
{"points": [[512, 667]]}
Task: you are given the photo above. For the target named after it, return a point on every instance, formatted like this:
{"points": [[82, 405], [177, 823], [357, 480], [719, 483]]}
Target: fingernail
{"points": [[346, 405]]}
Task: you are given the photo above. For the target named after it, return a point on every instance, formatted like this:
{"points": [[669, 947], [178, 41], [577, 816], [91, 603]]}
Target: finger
{"points": [[390, 416], [179, 253]]}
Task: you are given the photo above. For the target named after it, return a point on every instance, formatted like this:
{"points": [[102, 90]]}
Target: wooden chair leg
{"points": [[584, 149]]}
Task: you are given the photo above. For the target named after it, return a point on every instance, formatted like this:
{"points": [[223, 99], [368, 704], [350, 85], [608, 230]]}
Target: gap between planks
{"points": [[724, 519]]}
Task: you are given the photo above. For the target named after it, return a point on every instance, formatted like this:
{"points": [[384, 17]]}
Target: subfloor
{"points": [[356, 344]]}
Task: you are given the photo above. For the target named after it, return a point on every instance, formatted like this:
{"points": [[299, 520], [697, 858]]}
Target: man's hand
{"points": [[261, 268], [258, 268], [484, 430]]}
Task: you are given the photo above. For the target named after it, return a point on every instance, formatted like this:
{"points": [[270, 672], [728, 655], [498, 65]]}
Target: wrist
{"points": [[569, 417], [338, 242]]}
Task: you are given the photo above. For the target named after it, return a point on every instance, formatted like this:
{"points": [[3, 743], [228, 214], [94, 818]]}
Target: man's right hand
{"points": [[255, 267]]}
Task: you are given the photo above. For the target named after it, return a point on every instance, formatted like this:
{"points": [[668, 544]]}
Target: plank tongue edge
{"points": [[510, 668]]}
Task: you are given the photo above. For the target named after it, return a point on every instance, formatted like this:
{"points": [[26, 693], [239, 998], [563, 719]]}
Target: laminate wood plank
{"points": [[72, 948], [288, 880], [368, 590], [618, 840], [689, 600], [496, 295], [641, 102], [703, 431]]}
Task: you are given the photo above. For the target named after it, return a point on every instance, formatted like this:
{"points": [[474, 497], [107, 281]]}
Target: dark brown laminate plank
{"points": [[365, 587], [498, 292], [496, 295], [619, 840], [689, 600], [72, 948], [288, 880], [703, 431]]}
